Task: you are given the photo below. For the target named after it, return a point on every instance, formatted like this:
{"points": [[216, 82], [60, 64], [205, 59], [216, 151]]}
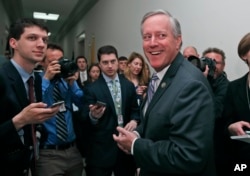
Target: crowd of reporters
{"points": [[82, 84]]}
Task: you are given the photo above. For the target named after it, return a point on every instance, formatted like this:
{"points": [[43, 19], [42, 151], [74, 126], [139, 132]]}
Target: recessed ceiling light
{"points": [[45, 16], [82, 36]]}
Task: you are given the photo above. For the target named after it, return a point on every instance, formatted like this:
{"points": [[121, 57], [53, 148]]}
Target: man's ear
{"points": [[179, 42], [13, 43]]}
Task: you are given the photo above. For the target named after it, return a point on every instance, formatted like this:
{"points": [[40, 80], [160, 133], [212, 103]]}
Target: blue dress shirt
{"points": [[70, 94]]}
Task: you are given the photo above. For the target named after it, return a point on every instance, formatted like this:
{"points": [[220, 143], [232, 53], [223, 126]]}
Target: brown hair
{"points": [[142, 77], [217, 51], [244, 45]]}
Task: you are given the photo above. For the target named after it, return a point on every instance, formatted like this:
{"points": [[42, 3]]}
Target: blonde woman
{"points": [[137, 73]]}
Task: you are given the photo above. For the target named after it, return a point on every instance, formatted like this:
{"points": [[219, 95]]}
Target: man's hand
{"points": [[237, 128], [131, 125], [70, 80], [52, 69], [141, 90], [96, 111], [124, 139], [33, 114], [205, 73]]}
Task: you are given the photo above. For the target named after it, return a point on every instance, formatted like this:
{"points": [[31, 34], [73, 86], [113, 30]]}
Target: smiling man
{"points": [[176, 135]]}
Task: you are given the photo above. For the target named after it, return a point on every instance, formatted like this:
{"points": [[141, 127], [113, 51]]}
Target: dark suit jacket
{"points": [[177, 128], [103, 150], [237, 109], [14, 155], [79, 82]]}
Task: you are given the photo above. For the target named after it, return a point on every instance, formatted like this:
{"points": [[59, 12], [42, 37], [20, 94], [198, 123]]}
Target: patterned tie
{"points": [[32, 100], [152, 87], [61, 126], [116, 94]]}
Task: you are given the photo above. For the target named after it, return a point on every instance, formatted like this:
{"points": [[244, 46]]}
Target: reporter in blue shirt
{"points": [[54, 152]]}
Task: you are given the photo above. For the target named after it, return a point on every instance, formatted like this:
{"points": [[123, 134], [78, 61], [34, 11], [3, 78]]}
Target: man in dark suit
{"points": [[176, 134], [82, 64], [237, 114], [103, 156], [28, 39]]}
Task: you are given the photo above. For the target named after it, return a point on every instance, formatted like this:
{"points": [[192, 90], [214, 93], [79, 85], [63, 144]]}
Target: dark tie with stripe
{"points": [[152, 87], [61, 126], [32, 100]]}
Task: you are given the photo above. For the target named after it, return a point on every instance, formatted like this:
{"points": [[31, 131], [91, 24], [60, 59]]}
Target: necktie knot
{"points": [[154, 77], [31, 80], [57, 93]]}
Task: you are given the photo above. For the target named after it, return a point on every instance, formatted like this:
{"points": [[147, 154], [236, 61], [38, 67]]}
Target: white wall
{"points": [[205, 23]]}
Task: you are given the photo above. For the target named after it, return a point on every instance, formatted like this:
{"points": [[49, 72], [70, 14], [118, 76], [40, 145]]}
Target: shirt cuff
{"points": [[94, 121], [133, 142], [132, 146]]}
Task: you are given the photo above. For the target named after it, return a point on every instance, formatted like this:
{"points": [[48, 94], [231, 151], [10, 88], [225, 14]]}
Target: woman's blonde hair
{"points": [[143, 76]]}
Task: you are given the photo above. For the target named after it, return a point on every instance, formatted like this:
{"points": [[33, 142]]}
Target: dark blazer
{"points": [[177, 128], [237, 109], [14, 155], [103, 150], [79, 83]]}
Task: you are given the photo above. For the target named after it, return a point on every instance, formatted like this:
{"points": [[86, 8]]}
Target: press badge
{"points": [[120, 120]]}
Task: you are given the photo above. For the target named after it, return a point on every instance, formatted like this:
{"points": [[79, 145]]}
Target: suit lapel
{"points": [[123, 93], [242, 89], [166, 81], [105, 89], [17, 84], [38, 87]]}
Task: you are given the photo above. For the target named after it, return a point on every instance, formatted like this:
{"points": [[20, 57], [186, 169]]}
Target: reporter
{"points": [[237, 109], [103, 156], [28, 39], [60, 146]]}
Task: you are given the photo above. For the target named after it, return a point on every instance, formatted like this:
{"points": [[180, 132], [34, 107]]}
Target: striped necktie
{"points": [[152, 87], [61, 125]]}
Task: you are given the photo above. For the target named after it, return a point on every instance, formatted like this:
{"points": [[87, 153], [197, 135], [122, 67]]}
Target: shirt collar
{"points": [[161, 73], [108, 79], [25, 75]]}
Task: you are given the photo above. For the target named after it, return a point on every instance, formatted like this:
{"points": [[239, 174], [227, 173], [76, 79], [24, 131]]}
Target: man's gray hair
{"points": [[175, 25]]}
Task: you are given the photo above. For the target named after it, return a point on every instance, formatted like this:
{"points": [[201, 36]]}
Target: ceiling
{"points": [[70, 11]]}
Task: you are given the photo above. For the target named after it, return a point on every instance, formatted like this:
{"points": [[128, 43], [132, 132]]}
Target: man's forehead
{"points": [[108, 57], [35, 30], [123, 61]]}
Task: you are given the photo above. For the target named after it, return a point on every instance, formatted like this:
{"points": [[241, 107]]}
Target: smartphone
{"points": [[100, 104], [57, 104]]}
